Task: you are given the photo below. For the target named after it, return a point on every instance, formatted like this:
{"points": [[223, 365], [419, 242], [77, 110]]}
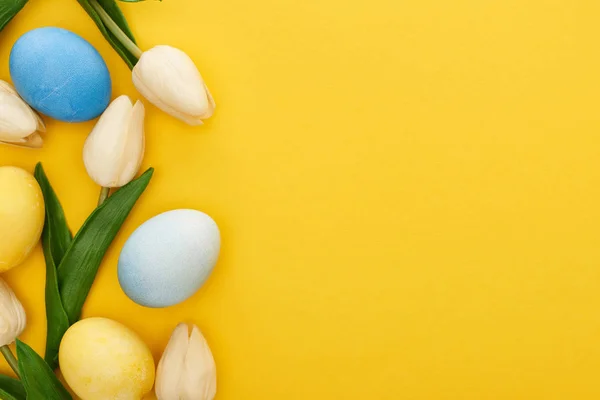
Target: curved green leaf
{"points": [[78, 268], [11, 389], [38, 379], [8, 9], [113, 10], [56, 316], [55, 217], [56, 238]]}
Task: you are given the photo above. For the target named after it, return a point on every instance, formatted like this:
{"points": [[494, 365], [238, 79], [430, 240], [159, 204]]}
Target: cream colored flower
{"points": [[12, 315], [169, 79], [114, 150], [19, 124], [187, 369]]}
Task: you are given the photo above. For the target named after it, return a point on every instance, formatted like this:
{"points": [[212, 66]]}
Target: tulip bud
{"points": [[113, 152], [12, 315], [187, 369], [19, 124], [168, 78]]}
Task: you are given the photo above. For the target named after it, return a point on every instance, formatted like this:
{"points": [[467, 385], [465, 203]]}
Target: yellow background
{"points": [[408, 193]]}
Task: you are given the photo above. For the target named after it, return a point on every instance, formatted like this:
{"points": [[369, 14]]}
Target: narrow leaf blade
{"points": [[8, 10], [78, 269], [118, 17], [56, 317], [7, 396], [11, 389], [37, 377], [55, 217]]}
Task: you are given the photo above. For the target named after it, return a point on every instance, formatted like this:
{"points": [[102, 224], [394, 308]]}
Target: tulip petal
{"points": [[41, 127], [7, 87], [211, 101], [12, 315], [17, 120], [169, 79], [199, 381], [104, 148], [133, 152], [171, 365], [33, 141], [152, 98]]}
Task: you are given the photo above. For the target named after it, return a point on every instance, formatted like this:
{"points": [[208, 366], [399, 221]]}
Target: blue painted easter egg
{"points": [[169, 257], [60, 74]]}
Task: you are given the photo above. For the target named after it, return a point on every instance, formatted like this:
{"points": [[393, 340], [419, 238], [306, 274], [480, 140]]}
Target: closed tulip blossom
{"points": [[187, 368], [19, 124], [114, 150], [166, 76], [12, 322], [169, 79]]}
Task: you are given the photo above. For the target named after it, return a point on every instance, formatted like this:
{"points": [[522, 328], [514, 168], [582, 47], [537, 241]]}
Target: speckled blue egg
{"points": [[169, 257], [60, 74]]}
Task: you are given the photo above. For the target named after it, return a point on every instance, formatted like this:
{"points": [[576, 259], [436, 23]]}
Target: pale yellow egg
{"points": [[21, 216], [102, 359]]}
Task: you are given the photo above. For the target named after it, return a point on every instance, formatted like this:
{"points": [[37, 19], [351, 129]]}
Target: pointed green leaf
{"points": [[61, 235], [56, 316], [7, 396], [78, 268], [11, 389], [8, 9], [38, 379], [55, 226], [113, 10]]}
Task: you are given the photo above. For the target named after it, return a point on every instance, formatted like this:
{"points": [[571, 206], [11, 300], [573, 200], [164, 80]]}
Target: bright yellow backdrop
{"points": [[408, 193]]}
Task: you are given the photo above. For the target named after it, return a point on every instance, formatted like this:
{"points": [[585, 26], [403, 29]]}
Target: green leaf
{"points": [[38, 379], [113, 10], [56, 316], [78, 269], [55, 217], [56, 238], [7, 396], [8, 9], [11, 389]]}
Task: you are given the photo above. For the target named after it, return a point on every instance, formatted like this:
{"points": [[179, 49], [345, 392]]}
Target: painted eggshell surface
{"points": [[21, 216], [60, 74], [169, 257]]}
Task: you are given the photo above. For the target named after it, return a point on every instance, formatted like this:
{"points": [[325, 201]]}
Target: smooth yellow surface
{"points": [[102, 359], [21, 215], [408, 194]]}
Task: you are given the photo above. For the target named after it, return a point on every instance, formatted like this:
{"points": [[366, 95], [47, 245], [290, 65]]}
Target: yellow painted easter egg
{"points": [[21, 215], [102, 359]]}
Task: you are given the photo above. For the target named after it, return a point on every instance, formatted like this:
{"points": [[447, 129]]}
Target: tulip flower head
{"points": [[169, 79], [187, 368], [12, 315], [19, 124], [114, 150]]}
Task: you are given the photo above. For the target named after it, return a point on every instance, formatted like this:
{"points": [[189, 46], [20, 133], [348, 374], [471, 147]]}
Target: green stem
{"points": [[10, 359], [103, 195], [114, 28]]}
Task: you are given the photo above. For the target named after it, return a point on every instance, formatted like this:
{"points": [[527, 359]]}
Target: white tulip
{"points": [[187, 369], [169, 79], [114, 150], [19, 124], [12, 315]]}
